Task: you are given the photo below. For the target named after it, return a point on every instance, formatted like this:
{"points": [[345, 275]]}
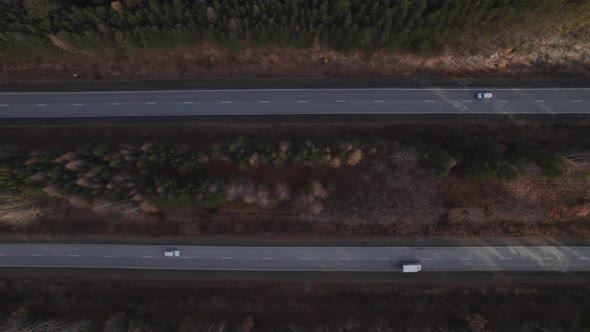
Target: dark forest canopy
{"points": [[43, 28]]}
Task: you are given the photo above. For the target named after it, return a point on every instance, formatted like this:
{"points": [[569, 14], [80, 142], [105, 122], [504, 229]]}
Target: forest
{"points": [[41, 29]]}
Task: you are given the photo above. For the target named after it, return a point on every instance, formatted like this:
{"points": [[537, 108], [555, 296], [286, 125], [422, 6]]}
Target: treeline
{"points": [[41, 28]]}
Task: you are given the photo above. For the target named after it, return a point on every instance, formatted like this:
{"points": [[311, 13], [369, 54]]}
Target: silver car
{"points": [[484, 95]]}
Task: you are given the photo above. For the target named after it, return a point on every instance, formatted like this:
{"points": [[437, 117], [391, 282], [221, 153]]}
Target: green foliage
{"points": [[42, 8], [437, 159], [486, 158]]}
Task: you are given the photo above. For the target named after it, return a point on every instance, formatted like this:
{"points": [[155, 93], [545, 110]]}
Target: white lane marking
{"points": [[502, 101], [344, 259], [151, 103], [467, 101], [189, 102], [429, 101], [427, 259], [2, 255], [36, 255], [583, 258], [226, 257], [305, 258], [544, 257], [184, 257], [576, 101], [505, 258], [114, 104], [41, 105], [378, 101], [266, 258], [146, 256], [539, 101], [465, 258], [302, 101], [340, 101], [74, 255], [226, 102], [264, 102], [78, 104], [4, 105], [383, 258], [109, 256]]}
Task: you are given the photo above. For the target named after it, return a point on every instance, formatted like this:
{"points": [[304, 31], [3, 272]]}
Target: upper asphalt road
{"points": [[293, 102], [353, 259]]}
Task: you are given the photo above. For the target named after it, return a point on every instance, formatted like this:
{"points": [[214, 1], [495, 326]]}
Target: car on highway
{"points": [[171, 253], [411, 267], [484, 95]]}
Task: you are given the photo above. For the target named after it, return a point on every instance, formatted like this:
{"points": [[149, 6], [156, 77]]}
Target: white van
{"points": [[411, 267], [171, 253]]}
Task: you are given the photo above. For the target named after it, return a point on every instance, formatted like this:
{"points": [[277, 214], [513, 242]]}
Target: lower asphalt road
{"points": [[349, 259], [292, 102]]}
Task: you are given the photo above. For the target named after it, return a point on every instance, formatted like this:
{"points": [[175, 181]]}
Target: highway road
{"points": [[350, 259], [293, 101]]}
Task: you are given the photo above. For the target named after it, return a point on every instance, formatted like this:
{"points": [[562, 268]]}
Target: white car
{"points": [[484, 95], [411, 267], [171, 253]]}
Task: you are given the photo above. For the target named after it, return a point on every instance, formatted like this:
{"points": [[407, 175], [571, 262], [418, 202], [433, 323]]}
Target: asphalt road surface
{"points": [[293, 101], [353, 259]]}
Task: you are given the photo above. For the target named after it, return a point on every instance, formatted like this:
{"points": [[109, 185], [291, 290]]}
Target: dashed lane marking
{"points": [[505, 258], [78, 104], [74, 255], [146, 256], [4, 105], [41, 105], [584, 258], [539, 101], [36, 255], [378, 101], [226, 258], [383, 258], [344, 259], [467, 101], [266, 258], [430, 101], [302, 101], [109, 256], [427, 259], [226, 102], [264, 102], [114, 104], [576, 101], [189, 102], [151, 103], [502, 101], [465, 258], [305, 258], [340, 101]]}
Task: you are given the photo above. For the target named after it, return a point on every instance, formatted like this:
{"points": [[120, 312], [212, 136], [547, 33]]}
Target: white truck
{"points": [[411, 267]]}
